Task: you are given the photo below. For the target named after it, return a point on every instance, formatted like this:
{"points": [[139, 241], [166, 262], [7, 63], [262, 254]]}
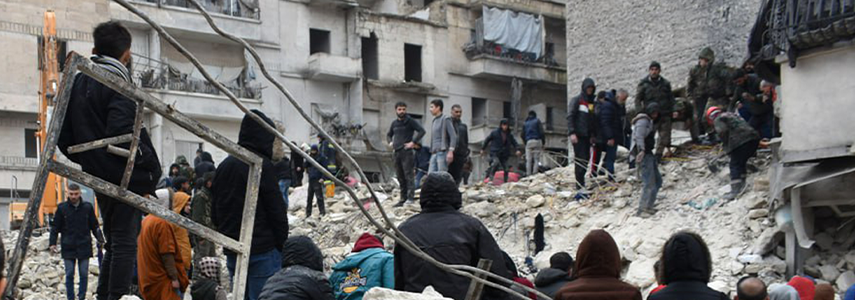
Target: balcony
{"points": [[504, 69], [234, 8], [18, 163], [326, 67], [182, 19], [153, 74]]}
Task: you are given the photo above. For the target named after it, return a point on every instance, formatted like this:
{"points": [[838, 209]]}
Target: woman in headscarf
{"points": [[804, 286], [778, 291]]}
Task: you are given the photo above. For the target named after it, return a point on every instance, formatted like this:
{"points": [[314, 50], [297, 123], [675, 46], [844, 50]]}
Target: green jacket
{"points": [[200, 207], [712, 81], [658, 91], [734, 131], [184, 169]]}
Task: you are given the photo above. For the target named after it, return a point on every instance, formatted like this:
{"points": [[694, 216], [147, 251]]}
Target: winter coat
{"points": [[404, 131], [75, 225], [328, 154], [549, 280], [205, 165], [363, 270], [229, 189], [297, 161], [283, 169], [462, 148], [734, 131], [96, 112], [452, 238], [580, 112], [314, 173], [533, 130], [643, 134], [423, 158], [608, 121], [598, 266], [184, 168], [654, 91], [500, 146], [711, 81], [182, 236], [686, 270], [301, 277], [756, 106], [206, 289]]}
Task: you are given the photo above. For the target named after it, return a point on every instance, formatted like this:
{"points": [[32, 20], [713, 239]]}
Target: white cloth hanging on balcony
{"points": [[520, 31]]}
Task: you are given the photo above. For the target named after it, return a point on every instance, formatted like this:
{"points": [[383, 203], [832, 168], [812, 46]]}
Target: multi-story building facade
{"points": [[346, 63]]}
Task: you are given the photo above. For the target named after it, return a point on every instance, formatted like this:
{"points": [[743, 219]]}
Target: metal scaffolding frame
{"points": [[120, 192]]}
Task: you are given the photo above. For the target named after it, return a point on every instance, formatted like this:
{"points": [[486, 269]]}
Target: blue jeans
{"points": [[419, 174], [83, 271], [261, 267], [651, 181], [609, 160], [284, 184], [437, 162]]}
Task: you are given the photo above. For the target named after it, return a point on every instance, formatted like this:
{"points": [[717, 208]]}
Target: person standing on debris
{"points": [[707, 87], [74, 220], [160, 260], [624, 135], [207, 285], [502, 143], [444, 232], [656, 89], [559, 273], [686, 269], [752, 288], [96, 112], [598, 267], [316, 179], [643, 132], [581, 126], [739, 140], [282, 165], [443, 139], [298, 165], [404, 133], [422, 163], [368, 266], [328, 153], [271, 223], [302, 275], [200, 212], [534, 138], [461, 151], [748, 95], [609, 129]]}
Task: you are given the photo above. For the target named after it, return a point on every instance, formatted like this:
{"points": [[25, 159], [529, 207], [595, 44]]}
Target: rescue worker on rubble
{"points": [[302, 275], [96, 112], [533, 137], [598, 267], [686, 267], [609, 129], [229, 192], [748, 96], [643, 132], [581, 126], [461, 151], [502, 143], [707, 87], [684, 112], [444, 232], [316, 179], [74, 220], [656, 89], [739, 140], [404, 133]]}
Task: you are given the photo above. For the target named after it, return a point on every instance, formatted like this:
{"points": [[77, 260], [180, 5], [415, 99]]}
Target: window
{"points": [[507, 112], [30, 145], [479, 111], [412, 63], [187, 148], [370, 67], [550, 125], [319, 41]]}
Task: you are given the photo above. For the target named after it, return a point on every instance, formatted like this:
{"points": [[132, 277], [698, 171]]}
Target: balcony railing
{"points": [[154, 74], [235, 8], [18, 161], [804, 24], [477, 45]]}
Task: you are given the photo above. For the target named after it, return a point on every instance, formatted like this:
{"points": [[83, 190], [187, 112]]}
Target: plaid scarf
{"points": [[112, 65]]}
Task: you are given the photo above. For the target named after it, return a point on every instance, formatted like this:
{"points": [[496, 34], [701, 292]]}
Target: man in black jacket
{"points": [[75, 219], [271, 224], [461, 152], [449, 236], [559, 273], [609, 130], [686, 269], [96, 112], [581, 126], [302, 275], [501, 143], [403, 135]]}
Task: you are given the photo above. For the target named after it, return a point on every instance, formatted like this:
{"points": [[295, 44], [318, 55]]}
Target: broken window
{"points": [[30, 145], [319, 41], [507, 112], [412, 62], [370, 68], [479, 111]]}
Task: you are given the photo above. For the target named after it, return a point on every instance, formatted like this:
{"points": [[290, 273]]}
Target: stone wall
{"points": [[614, 41]]}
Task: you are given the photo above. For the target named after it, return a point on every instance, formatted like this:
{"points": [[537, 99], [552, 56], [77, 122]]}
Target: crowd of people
{"points": [[165, 261]]}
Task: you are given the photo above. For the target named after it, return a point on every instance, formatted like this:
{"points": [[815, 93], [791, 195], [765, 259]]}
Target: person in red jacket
{"points": [[598, 266]]}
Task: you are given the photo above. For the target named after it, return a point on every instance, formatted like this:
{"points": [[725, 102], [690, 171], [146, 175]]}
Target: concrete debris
{"points": [[535, 201], [824, 241], [829, 273], [758, 213], [386, 294], [845, 280]]}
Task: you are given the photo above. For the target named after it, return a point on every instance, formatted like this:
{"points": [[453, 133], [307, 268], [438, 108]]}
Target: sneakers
{"points": [[736, 188]]}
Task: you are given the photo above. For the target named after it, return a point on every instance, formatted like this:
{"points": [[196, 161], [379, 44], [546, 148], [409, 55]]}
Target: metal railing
{"points": [[808, 23], [477, 45], [154, 74], [235, 8], [18, 161]]}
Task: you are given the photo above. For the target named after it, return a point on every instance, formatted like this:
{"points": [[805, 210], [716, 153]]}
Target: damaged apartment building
{"points": [[347, 62]]}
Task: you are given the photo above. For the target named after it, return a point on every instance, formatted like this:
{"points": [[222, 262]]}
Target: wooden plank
{"points": [[118, 151], [135, 142], [100, 143], [247, 222], [31, 217], [476, 287], [143, 204]]}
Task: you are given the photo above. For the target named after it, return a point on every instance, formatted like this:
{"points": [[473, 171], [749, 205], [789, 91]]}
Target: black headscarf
{"points": [[685, 257], [440, 191], [301, 250]]}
